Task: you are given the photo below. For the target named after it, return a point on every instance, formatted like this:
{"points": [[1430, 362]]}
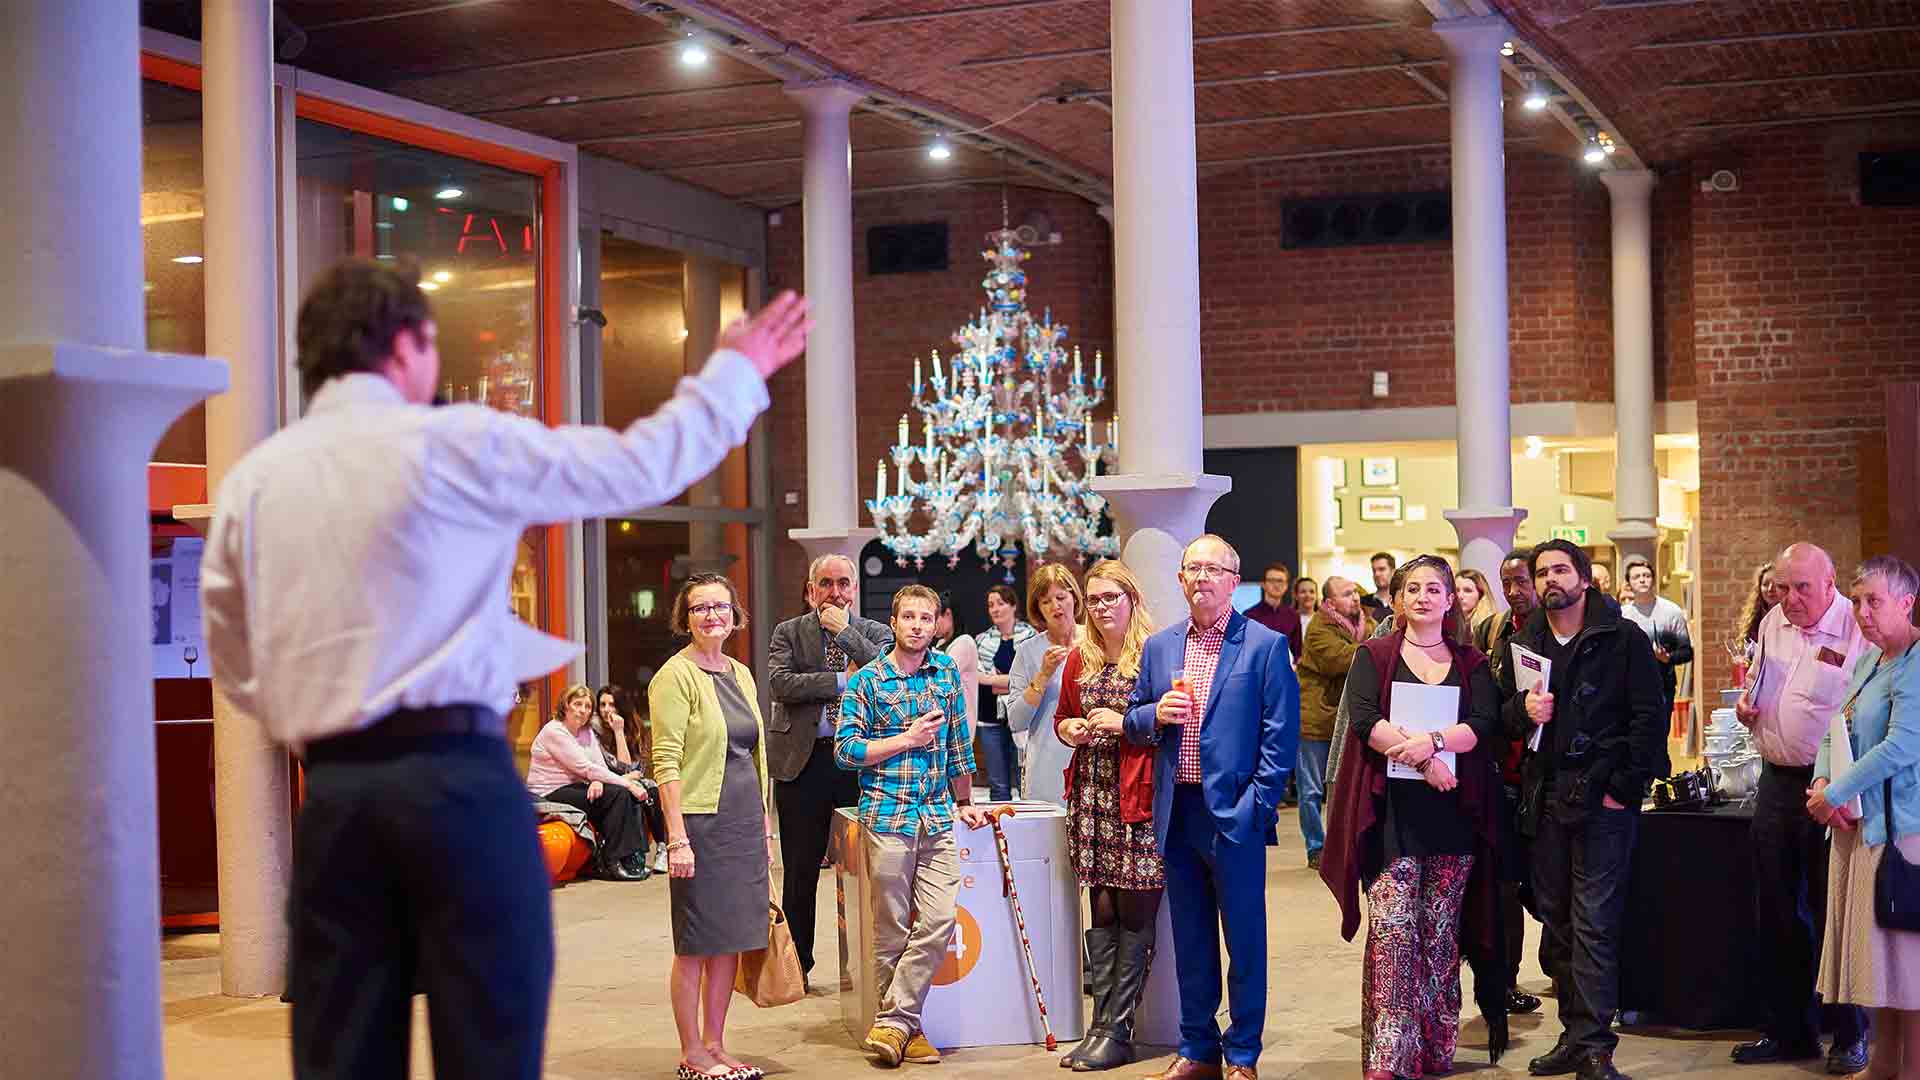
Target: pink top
{"points": [[1202, 656], [1801, 678], [560, 758]]}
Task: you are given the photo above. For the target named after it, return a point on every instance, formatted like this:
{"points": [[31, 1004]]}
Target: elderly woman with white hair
{"points": [[1862, 962]]}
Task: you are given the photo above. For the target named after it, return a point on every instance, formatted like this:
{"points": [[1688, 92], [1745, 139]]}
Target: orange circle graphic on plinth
{"points": [[963, 949]]}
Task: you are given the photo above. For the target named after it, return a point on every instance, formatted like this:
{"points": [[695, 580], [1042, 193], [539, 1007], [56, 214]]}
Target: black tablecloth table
{"points": [[1688, 960]]}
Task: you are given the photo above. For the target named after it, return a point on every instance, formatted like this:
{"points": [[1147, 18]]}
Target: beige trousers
{"points": [[916, 881]]}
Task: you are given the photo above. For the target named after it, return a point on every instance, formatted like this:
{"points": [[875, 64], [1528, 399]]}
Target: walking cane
{"points": [[1007, 890]]}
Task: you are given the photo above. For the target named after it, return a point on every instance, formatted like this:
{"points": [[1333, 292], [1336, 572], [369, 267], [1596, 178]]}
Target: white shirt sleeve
{"points": [[223, 608], [494, 465]]}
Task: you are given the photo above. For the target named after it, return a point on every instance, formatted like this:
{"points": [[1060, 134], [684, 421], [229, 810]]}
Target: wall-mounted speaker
{"points": [[1890, 178], [1353, 220], [907, 249]]}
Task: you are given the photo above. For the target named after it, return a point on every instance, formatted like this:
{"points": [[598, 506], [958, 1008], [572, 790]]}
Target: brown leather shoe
{"points": [[1242, 1072], [1187, 1069]]}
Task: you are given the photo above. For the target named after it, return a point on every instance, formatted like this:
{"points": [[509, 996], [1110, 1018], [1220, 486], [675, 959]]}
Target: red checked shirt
{"points": [[1203, 655]]}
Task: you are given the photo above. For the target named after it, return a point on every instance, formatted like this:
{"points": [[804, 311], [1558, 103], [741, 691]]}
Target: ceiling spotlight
{"points": [[1538, 97], [448, 193], [939, 149], [1506, 48], [188, 260], [693, 51], [1594, 153], [1606, 144]]}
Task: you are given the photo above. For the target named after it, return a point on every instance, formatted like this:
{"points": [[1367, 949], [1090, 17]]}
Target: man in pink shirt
{"points": [[1807, 645]]}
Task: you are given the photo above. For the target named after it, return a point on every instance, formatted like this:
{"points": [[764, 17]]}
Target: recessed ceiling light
{"points": [[448, 193], [188, 260], [938, 149], [693, 53]]}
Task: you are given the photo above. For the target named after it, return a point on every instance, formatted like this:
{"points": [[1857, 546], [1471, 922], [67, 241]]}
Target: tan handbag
{"points": [[771, 976]]}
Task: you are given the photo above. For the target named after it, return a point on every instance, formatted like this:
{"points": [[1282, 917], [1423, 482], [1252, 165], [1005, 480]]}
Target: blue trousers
{"points": [[1312, 778], [1214, 885], [1002, 764]]}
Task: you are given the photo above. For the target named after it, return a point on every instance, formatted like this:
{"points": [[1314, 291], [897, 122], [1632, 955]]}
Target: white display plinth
{"points": [[981, 996]]}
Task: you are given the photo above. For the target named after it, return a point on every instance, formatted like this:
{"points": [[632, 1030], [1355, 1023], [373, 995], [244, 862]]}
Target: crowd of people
{"points": [[1443, 792]]}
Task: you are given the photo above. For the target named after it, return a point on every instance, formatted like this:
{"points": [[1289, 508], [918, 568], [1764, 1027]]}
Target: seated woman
{"points": [[568, 767], [1420, 835], [628, 743]]}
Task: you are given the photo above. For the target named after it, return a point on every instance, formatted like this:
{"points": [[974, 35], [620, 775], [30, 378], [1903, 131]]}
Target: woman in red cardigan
{"points": [[1110, 811]]}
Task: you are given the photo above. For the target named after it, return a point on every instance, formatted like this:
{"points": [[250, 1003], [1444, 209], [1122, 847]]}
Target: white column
{"points": [[1161, 496], [1486, 518], [833, 499], [81, 407], [1636, 485], [252, 808]]}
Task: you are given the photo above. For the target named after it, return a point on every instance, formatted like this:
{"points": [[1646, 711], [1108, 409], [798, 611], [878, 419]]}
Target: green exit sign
{"points": [[1575, 533]]}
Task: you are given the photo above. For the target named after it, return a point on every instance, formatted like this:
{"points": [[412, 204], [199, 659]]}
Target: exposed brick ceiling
{"points": [[1275, 78]]}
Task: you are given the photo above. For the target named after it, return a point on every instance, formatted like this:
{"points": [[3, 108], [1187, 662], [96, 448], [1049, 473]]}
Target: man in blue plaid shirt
{"points": [[903, 725]]}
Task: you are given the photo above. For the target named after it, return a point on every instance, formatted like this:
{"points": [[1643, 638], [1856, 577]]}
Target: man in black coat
{"points": [[1603, 740], [808, 661]]}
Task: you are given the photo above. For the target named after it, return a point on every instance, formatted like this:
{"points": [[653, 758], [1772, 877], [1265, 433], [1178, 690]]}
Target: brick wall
{"points": [[900, 316], [1804, 306], [1673, 286], [1294, 330]]}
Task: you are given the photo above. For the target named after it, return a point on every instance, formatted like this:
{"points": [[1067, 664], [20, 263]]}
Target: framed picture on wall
{"points": [[1379, 508], [1378, 472]]}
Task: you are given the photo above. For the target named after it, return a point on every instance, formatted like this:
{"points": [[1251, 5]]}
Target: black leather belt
{"points": [[390, 733]]}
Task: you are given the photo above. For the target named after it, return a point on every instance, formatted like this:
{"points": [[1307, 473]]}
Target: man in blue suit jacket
{"points": [[1227, 743]]}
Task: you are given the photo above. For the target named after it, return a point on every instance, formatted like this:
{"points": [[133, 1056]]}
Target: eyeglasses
{"points": [[1203, 571], [708, 609], [1104, 600]]}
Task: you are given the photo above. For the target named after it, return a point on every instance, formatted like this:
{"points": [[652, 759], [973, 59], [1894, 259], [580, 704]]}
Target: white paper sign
{"points": [[1419, 708], [1531, 671], [1840, 757]]}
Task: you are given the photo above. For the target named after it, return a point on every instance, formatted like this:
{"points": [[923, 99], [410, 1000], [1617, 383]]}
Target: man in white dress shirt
{"points": [[353, 593]]}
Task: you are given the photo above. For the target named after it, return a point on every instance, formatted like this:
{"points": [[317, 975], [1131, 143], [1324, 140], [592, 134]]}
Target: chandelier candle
{"points": [[999, 492]]}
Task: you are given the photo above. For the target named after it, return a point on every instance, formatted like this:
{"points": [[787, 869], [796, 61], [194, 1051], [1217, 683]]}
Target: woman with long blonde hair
{"points": [[1109, 795], [1475, 597]]}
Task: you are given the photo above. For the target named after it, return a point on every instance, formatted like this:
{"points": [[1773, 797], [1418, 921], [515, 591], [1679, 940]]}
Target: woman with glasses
{"points": [[1109, 796], [1861, 962], [709, 756], [1033, 686], [1413, 823], [567, 767]]}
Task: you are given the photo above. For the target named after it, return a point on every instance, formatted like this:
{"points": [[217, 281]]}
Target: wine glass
{"points": [[190, 654]]}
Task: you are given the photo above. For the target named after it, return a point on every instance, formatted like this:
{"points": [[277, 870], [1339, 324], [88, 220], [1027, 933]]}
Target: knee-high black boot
{"points": [[1112, 1045], [1102, 943]]}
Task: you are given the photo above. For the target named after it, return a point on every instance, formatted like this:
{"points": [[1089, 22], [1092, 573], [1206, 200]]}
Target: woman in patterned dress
{"points": [[1110, 811]]}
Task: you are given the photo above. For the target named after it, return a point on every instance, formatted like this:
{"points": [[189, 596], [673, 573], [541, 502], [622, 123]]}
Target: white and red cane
{"points": [[1019, 920]]}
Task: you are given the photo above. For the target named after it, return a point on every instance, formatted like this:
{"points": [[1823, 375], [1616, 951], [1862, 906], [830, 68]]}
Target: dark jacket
{"points": [[1357, 808], [1608, 735], [1492, 637], [799, 683]]}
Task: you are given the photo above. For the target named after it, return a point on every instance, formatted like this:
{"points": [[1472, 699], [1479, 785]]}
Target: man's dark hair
{"points": [[1280, 566], [1378, 555], [1520, 555], [351, 316], [1582, 565]]}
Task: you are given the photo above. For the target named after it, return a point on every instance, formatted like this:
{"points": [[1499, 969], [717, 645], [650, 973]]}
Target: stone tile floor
{"points": [[611, 1019]]}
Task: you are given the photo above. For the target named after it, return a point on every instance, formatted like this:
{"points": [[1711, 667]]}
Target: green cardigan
{"points": [[690, 732]]}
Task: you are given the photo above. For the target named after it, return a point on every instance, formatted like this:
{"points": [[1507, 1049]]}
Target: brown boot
{"points": [[1188, 1069]]}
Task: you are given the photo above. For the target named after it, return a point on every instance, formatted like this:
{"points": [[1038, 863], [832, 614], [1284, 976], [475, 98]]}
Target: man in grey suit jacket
{"points": [[808, 662]]}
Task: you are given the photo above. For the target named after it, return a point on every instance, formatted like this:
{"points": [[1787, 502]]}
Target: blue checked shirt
{"points": [[910, 793]]}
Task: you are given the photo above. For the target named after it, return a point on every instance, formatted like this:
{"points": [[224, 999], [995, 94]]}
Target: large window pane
{"points": [[647, 562], [172, 213]]}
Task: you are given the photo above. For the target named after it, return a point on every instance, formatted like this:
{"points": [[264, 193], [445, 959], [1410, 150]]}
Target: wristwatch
{"points": [[1439, 743]]}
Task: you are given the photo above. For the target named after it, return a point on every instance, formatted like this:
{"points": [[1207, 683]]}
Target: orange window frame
{"points": [[551, 277]]}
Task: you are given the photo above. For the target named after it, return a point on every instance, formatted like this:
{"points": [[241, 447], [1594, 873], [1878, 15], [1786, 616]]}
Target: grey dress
{"points": [[722, 908]]}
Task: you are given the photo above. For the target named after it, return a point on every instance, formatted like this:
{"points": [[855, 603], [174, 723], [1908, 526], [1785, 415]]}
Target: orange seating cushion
{"points": [[565, 852]]}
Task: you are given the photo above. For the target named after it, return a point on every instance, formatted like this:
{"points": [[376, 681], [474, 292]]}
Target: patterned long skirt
{"points": [[1105, 851], [1410, 979]]}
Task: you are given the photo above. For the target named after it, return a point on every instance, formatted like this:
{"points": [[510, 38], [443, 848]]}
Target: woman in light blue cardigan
{"points": [[1862, 963]]}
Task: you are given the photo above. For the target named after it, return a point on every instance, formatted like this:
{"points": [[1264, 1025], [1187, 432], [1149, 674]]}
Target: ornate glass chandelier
{"points": [[1005, 457]]}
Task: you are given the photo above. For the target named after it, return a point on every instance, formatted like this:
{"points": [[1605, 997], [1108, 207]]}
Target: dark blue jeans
{"points": [[996, 746], [417, 864], [1582, 862], [1312, 779], [1214, 885]]}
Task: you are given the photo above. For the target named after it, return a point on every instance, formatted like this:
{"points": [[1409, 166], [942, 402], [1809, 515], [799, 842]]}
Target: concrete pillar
{"points": [[1161, 495], [81, 407], [1486, 518], [1636, 485], [252, 804], [833, 500]]}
